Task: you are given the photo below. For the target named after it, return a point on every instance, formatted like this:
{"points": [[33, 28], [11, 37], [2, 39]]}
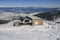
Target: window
{"points": [[36, 23], [26, 20]]}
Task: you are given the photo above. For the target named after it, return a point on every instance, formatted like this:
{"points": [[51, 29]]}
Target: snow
{"points": [[57, 20], [35, 13], [26, 32], [7, 15], [48, 31]]}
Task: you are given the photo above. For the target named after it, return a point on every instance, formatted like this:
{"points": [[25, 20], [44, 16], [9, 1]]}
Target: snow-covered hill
{"points": [[48, 31], [26, 32], [7, 15], [10, 15]]}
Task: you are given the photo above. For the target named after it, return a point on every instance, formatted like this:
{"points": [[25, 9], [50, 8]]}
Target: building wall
{"points": [[37, 22], [16, 23]]}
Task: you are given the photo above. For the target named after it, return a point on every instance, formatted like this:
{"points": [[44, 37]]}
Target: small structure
{"points": [[29, 20], [16, 23], [36, 21]]}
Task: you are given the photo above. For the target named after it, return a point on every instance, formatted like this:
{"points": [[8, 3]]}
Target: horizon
{"points": [[25, 7]]}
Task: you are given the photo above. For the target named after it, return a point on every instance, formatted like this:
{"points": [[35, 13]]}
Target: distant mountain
{"points": [[26, 9], [53, 15]]}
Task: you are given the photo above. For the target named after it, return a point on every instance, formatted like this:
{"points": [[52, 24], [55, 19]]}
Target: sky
{"points": [[29, 3]]}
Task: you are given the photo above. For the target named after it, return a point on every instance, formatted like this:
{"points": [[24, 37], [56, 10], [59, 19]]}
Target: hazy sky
{"points": [[29, 3]]}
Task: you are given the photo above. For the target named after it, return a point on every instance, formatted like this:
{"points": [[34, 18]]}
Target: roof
{"points": [[33, 17], [24, 17]]}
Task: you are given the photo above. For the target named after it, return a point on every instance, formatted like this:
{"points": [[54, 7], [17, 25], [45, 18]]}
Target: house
{"points": [[29, 20], [36, 21], [22, 21]]}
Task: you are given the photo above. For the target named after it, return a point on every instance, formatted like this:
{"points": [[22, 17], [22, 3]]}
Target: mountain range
{"points": [[26, 9], [53, 15]]}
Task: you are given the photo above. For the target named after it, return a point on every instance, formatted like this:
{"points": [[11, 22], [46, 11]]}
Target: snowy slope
{"points": [[48, 31], [10, 15], [27, 32], [7, 15]]}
